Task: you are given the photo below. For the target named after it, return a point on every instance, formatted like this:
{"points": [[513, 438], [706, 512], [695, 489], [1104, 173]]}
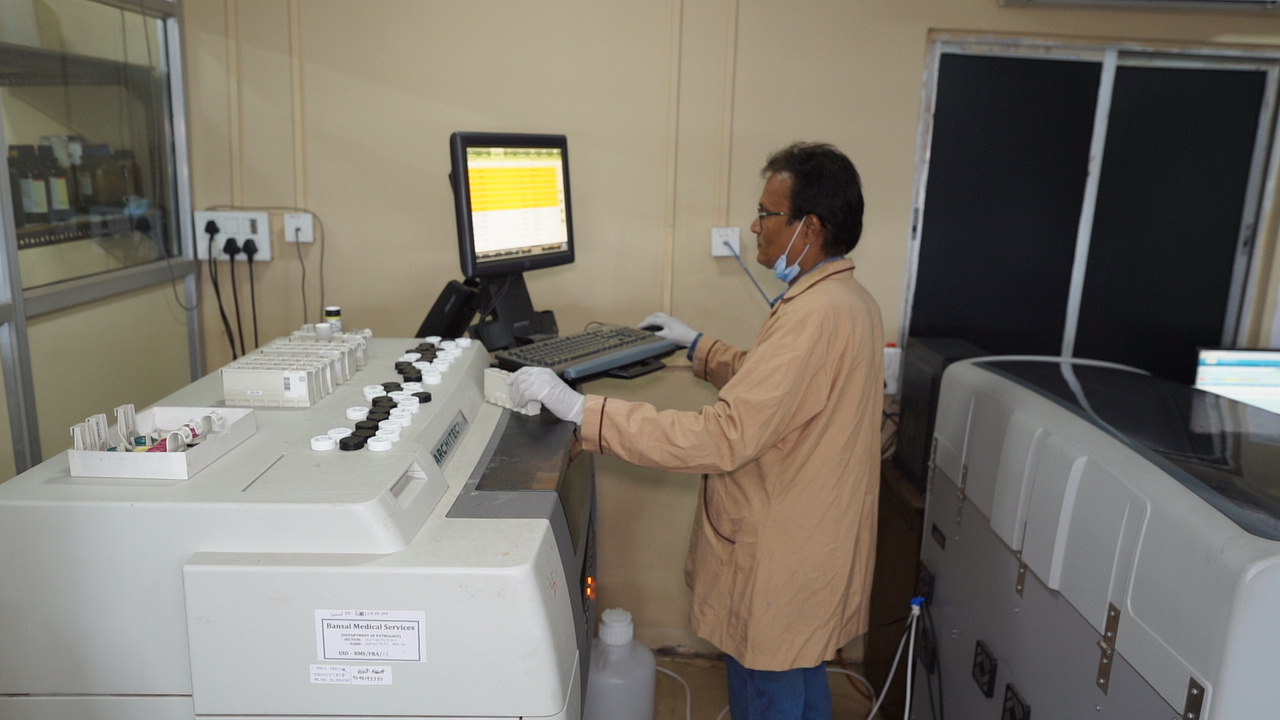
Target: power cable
{"points": [[302, 264], [211, 227], [232, 249], [250, 250]]}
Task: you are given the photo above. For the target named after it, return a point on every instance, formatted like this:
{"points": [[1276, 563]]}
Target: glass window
{"points": [[83, 98]]}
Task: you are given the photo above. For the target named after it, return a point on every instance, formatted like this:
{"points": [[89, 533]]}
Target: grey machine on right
{"points": [[1101, 544]]}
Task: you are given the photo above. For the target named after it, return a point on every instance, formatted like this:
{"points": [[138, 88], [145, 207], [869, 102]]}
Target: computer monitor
{"points": [[1248, 376], [511, 198]]}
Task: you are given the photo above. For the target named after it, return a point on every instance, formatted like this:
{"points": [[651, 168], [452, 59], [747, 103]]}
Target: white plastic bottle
{"points": [[620, 686]]}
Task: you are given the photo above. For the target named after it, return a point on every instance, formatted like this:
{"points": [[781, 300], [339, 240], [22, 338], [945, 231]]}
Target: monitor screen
{"points": [[1247, 376], [511, 195]]}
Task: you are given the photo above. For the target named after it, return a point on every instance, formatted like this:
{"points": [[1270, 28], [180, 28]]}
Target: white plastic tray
{"points": [[238, 426]]}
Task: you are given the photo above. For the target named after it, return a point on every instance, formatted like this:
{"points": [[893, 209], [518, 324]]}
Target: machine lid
{"points": [[1224, 451]]}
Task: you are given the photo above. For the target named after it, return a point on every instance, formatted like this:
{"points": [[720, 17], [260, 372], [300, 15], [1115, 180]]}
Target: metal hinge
{"points": [[1108, 647], [933, 461], [964, 480], [1195, 700]]}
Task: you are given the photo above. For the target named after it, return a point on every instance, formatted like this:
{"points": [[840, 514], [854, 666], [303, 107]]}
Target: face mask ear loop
{"points": [[781, 269]]}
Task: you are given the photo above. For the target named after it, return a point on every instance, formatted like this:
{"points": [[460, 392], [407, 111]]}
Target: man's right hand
{"points": [[671, 329]]}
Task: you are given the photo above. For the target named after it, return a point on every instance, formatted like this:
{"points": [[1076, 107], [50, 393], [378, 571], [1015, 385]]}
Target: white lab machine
{"points": [[446, 577], [1096, 551]]}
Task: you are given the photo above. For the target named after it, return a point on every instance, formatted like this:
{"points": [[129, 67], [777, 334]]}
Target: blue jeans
{"points": [[800, 694]]}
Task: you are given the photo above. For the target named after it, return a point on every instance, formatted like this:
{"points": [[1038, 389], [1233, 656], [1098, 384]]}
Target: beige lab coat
{"points": [[782, 553]]}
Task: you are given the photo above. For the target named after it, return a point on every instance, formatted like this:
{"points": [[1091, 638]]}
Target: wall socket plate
{"points": [[722, 235], [234, 224], [299, 227]]}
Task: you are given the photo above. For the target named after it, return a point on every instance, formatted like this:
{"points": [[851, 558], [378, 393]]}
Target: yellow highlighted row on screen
{"points": [[513, 188]]}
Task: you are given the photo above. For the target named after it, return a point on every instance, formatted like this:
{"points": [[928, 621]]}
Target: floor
{"points": [[706, 680]]}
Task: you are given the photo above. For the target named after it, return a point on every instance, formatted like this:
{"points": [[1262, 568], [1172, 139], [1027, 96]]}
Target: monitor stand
{"points": [[507, 317]]}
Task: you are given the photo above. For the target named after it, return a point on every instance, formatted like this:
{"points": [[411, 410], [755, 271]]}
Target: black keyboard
{"points": [[590, 352]]}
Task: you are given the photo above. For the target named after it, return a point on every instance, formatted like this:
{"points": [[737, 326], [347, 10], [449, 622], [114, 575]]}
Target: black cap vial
{"points": [[351, 442]]}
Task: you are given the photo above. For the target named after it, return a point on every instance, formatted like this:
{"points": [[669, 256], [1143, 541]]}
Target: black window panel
{"points": [[1006, 181], [1170, 203]]}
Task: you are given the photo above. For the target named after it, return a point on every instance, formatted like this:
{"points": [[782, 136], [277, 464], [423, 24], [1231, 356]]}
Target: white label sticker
{"points": [[355, 675], [376, 635], [330, 675], [295, 384], [371, 675]]}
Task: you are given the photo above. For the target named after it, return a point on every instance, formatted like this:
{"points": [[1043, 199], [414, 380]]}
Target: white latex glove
{"points": [[671, 329], [543, 385]]}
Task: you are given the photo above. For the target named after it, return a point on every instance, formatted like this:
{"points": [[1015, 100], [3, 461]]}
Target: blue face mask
{"points": [[781, 270]]}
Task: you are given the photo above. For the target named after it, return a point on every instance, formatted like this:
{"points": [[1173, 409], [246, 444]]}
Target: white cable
{"points": [[911, 657], [871, 690], [722, 712], [746, 270], [911, 626], [688, 694]]}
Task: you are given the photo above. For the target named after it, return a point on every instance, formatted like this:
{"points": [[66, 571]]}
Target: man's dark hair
{"points": [[824, 183]]}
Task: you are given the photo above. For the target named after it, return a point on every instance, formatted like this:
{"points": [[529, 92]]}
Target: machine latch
{"points": [[964, 480], [1108, 646], [1195, 700], [1022, 575], [933, 461]]}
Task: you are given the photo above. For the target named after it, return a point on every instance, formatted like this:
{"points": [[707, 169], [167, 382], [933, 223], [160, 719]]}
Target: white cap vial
{"points": [[412, 387], [333, 316], [431, 378], [433, 339], [339, 432], [394, 434], [324, 331], [324, 442], [410, 357], [379, 444], [358, 412], [463, 342], [402, 415]]}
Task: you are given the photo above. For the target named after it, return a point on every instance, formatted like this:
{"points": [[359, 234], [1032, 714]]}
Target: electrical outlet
{"points": [[234, 224], [298, 227], [722, 235]]}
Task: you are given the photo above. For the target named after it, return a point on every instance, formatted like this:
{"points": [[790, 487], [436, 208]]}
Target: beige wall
{"points": [[86, 359], [671, 106]]}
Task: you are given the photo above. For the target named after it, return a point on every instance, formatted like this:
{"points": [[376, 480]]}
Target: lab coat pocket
{"points": [[722, 526]]}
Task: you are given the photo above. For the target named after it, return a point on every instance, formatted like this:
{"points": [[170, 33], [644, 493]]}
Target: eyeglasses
{"points": [[762, 214]]}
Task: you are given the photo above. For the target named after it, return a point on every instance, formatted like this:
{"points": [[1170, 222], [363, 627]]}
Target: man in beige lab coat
{"points": [[781, 559]]}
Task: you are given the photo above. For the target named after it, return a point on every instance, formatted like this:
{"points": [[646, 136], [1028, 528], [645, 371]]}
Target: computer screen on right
{"points": [[1249, 376]]}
